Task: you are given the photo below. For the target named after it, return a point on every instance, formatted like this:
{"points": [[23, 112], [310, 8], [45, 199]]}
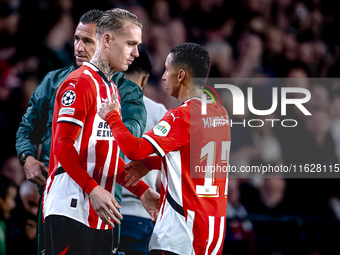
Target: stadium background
{"points": [[245, 39]]}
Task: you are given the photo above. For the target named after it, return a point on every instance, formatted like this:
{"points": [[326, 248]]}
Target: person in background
{"points": [[25, 216], [137, 226], [12, 169], [9, 232]]}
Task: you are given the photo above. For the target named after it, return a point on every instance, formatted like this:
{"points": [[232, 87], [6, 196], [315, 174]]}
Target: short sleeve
{"points": [[74, 99], [170, 133]]}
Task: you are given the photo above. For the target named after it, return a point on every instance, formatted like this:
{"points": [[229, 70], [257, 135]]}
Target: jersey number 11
{"points": [[208, 152]]}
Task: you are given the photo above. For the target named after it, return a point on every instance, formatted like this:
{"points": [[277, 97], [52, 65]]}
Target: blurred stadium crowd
{"points": [[245, 39]]}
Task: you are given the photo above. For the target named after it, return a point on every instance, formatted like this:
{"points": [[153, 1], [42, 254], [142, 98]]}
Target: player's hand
{"points": [[129, 179], [105, 205], [137, 168], [108, 106], [150, 201], [34, 170]]}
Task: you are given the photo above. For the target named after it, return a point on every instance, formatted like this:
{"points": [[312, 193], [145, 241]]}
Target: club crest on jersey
{"points": [[162, 128], [68, 98]]}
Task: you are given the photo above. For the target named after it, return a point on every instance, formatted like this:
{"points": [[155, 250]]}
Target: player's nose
{"points": [[135, 52], [79, 47]]}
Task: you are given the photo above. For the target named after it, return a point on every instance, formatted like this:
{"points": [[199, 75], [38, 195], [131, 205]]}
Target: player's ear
{"points": [[144, 81], [107, 39], [181, 75]]}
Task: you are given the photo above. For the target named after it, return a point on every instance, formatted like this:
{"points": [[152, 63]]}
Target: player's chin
{"points": [[125, 67], [79, 62]]}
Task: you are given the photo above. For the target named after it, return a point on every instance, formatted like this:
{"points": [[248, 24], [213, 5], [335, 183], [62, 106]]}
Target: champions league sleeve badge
{"points": [[68, 98]]}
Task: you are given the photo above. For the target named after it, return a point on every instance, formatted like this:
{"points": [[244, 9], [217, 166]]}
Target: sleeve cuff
{"points": [[90, 185], [139, 189], [112, 117], [27, 153]]}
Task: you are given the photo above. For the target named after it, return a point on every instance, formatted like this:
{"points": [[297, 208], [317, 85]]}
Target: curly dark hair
{"points": [[193, 57]]}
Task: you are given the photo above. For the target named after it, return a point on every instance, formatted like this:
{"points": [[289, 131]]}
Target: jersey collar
{"points": [[94, 68], [191, 98]]}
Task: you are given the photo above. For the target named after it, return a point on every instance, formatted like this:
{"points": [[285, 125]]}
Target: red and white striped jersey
{"points": [[77, 101], [193, 201]]}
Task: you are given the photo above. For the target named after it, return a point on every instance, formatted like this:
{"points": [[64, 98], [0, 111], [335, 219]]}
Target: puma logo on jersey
{"points": [[73, 84], [173, 116]]}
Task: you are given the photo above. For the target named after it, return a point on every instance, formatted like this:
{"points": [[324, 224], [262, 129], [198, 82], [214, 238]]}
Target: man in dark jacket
{"points": [[36, 125]]}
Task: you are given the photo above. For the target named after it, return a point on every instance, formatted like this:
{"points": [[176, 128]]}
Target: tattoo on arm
{"points": [[103, 65]]}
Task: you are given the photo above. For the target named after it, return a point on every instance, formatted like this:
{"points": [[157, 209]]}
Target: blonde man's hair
{"points": [[114, 20]]}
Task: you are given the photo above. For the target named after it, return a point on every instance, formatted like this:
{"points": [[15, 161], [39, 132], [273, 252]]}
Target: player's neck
{"points": [[103, 65], [188, 92]]}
